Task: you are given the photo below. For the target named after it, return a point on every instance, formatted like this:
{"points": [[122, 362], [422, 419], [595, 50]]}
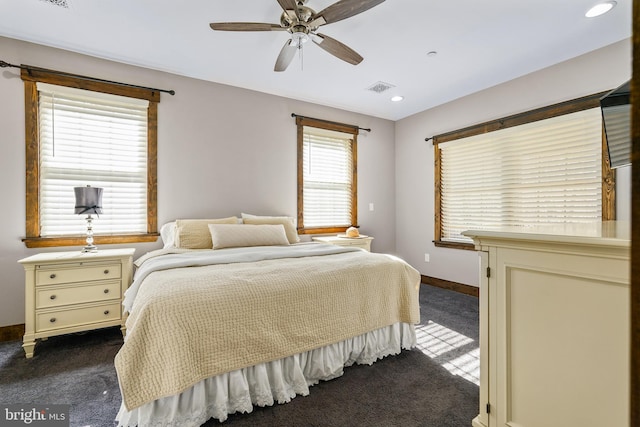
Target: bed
{"points": [[253, 320]]}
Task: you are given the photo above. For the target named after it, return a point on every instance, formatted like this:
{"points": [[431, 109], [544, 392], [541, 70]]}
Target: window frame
{"points": [[301, 122], [572, 106], [31, 76]]}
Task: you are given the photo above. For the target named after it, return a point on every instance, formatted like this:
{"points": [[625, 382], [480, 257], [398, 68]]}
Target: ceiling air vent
{"points": [[380, 87], [61, 3]]}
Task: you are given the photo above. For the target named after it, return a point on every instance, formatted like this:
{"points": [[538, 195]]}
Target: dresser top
{"points": [[605, 233], [78, 255]]}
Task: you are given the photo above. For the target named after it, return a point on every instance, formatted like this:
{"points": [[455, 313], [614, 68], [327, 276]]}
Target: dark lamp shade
{"points": [[88, 200]]}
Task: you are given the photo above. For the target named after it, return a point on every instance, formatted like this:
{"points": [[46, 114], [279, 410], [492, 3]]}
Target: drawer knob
{"points": [[106, 272], [52, 320], [52, 297], [53, 276], [106, 291], [106, 312]]}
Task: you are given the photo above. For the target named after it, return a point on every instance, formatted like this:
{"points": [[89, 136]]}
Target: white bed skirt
{"points": [[267, 383]]}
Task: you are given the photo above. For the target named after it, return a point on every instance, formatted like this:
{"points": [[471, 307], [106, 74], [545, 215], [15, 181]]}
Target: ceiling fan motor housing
{"points": [[289, 18]]}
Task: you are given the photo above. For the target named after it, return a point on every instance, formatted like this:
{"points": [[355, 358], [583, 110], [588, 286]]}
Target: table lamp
{"points": [[88, 201]]}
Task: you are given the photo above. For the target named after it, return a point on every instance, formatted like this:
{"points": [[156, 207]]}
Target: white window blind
{"points": [[91, 138], [547, 171], [328, 172], [618, 128]]}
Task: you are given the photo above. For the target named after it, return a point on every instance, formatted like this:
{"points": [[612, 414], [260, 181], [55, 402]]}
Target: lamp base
{"points": [[90, 248]]}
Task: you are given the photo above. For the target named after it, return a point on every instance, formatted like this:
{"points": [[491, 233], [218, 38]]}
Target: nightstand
{"points": [[68, 292], [358, 242]]}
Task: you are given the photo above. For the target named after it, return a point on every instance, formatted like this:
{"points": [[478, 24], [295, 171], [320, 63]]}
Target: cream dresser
{"points": [[69, 292], [363, 242], [554, 326]]}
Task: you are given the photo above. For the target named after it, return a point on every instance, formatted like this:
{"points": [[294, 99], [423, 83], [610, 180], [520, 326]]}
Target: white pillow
{"points": [[241, 235], [168, 235], [286, 221]]}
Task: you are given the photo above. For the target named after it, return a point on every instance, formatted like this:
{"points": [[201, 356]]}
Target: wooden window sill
{"points": [[325, 230], [49, 242], [454, 245]]}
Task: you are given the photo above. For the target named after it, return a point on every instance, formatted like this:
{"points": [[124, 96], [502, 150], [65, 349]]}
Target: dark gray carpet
{"points": [[411, 389]]}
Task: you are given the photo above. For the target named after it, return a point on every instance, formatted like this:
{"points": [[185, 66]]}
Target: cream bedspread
{"points": [[188, 324]]}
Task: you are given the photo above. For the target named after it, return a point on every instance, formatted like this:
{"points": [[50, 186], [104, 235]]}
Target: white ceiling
{"points": [[479, 43]]}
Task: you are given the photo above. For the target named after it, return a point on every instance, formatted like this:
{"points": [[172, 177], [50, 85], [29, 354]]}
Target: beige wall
{"points": [[598, 71], [221, 150]]}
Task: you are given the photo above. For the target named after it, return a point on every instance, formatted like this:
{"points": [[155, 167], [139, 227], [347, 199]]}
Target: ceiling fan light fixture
{"points": [[299, 35], [600, 9], [298, 39]]}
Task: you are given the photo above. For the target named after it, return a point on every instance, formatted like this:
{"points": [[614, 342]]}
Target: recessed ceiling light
{"points": [[600, 9], [397, 98], [432, 53]]}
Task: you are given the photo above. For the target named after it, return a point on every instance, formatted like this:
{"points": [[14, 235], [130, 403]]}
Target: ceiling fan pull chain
{"points": [[301, 58]]}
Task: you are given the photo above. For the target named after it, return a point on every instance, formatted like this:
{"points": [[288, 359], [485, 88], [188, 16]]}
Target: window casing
{"points": [[545, 166], [327, 177], [44, 229]]}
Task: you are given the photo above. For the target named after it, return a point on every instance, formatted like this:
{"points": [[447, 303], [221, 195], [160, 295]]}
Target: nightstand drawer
{"points": [[83, 273], [78, 316], [352, 242], [363, 242], [54, 296]]}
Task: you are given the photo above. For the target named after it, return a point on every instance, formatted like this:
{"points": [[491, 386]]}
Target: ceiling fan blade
{"points": [[245, 26], [339, 50], [286, 55], [288, 5], [342, 10]]}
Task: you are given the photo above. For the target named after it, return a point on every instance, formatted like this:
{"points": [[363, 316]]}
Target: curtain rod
{"points": [[329, 121], [4, 64]]}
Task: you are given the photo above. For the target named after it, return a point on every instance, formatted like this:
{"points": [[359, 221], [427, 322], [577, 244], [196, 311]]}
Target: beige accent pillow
{"points": [[194, 233], [287, 222], [241, 235]]}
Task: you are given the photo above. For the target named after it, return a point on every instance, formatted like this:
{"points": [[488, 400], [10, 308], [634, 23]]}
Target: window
{"points": [[81, 132], [543, 167], [327, 178]]}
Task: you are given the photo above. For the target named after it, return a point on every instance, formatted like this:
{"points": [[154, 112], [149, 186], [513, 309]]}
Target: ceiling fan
{"points": [[302, 23]]}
